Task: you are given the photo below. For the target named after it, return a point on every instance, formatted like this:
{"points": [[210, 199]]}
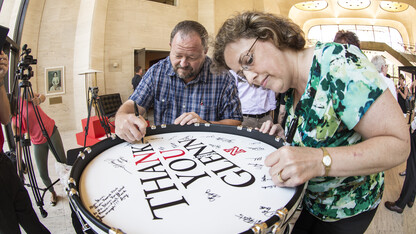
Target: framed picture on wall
{"points": [[55, 80]]}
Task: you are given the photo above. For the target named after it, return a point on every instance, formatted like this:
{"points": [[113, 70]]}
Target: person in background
{"points": [[182, 88], [402, 92], [15, 205], [408, 193], [342, 125], [380, 63], [257, 103], [138, 72], [40, 144], [347, 37]]}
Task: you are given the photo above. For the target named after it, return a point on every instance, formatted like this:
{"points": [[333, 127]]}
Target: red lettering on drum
{"points": [[234, 151], [181, 153], [144, 156]]}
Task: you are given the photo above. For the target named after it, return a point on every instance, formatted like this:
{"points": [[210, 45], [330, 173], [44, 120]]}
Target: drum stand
{"points": [[23, 140], [94, 100]]}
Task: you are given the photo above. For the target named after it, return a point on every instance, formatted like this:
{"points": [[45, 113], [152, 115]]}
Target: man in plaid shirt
{"points": [[181, 88]]}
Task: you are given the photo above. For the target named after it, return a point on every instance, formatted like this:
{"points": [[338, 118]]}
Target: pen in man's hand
{"points": [[136, 112]]}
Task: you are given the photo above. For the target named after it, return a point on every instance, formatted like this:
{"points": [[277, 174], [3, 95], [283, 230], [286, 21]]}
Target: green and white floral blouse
{"points": [[342, 85]]}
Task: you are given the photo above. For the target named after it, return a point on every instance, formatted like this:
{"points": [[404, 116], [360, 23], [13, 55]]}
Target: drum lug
{"points": [[115, 231], [278, 139], [259, 228], [71, 181], [281, 213], [81, 155], [88, 150], [73, 192]]}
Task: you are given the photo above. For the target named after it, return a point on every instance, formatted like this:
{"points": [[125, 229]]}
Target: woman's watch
{"points": [[326, 161]]}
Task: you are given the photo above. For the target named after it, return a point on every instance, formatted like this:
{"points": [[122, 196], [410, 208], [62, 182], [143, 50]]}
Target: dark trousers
{"points": [[308, 223], [15, 205], [409, 186]]}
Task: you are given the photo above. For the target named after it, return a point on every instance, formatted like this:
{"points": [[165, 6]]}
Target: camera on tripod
{"points": [[25, 62]]}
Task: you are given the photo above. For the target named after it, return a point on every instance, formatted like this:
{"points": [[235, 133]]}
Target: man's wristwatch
{"points": [[326, 160]]}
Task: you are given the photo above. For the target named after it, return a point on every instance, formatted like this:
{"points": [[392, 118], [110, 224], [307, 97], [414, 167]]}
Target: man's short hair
{"points": [[379, 61], [188, 26], [137, 69]]}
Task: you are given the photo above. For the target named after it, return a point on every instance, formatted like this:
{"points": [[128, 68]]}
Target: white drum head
{"points": [[183, 182]]}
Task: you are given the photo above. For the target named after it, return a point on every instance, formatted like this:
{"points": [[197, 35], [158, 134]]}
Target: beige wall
{"points": [[95, 34], [134, 25]]}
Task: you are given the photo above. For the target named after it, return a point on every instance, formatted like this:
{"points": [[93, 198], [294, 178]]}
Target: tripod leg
{"points": [[103, 120], [88, 122]]}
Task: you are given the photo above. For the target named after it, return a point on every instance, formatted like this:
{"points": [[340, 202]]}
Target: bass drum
{"points": [[200, 178]]}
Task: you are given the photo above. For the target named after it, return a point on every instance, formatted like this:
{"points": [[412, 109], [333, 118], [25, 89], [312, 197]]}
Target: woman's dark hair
{"points": [[347, 37], [283, 32]]}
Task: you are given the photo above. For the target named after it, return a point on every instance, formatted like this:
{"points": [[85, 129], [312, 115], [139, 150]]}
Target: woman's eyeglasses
{"points": [[247, 60]]}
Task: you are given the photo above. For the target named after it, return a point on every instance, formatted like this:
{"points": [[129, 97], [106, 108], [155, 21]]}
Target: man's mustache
{"points": [[184, 68]]}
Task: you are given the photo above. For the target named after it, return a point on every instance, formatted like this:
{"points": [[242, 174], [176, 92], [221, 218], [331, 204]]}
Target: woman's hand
{"points": [[272, 129], [291, 166]]}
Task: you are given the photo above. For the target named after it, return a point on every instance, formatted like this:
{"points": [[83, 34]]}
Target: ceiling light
{"points": [[311, 5], [393, 6], [354, 4]]}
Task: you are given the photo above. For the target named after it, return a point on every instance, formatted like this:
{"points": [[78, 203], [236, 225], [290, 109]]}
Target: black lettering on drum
{"points": [[156, 179], [188, 146], [182, 168], [164, 205], [218, 161], [168, 186]]}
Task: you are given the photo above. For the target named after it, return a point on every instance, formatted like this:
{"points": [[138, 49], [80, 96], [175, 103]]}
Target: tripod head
{"points": [[94, 91], [24, 64]]}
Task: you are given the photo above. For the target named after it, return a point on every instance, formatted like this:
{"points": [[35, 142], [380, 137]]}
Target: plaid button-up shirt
{"points": [[212, 97]]}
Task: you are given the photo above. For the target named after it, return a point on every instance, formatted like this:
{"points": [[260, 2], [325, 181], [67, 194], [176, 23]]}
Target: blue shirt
{"points": [[212, 97]]}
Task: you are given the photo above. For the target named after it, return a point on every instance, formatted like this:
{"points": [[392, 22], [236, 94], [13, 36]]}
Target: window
{"points": [[168, 2], [388, 35]]}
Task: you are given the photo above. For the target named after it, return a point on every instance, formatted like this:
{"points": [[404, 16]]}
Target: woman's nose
{"points": [[250, 76]]}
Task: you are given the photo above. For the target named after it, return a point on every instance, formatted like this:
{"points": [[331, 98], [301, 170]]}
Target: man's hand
{"points": [[188, 119], [130, 127]]}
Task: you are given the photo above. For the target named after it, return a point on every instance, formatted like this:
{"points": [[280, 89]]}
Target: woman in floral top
{"points": [[346, 126]]}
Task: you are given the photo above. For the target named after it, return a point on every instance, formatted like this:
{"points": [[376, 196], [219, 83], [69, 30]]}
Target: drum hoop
{"points": [[80, 164]]}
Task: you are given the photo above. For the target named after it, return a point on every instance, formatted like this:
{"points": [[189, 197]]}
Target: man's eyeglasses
{"points": [[247, 60]]}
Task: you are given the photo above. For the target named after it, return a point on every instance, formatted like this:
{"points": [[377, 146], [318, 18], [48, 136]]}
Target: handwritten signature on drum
{"points": [[265, 210], [212, 196], [119, 163]]}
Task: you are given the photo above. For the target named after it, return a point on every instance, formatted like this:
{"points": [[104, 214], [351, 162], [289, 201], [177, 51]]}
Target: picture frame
{"points": [[54, 81]]}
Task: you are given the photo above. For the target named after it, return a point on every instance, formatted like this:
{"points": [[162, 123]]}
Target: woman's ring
{"points": [[279, 178]]}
